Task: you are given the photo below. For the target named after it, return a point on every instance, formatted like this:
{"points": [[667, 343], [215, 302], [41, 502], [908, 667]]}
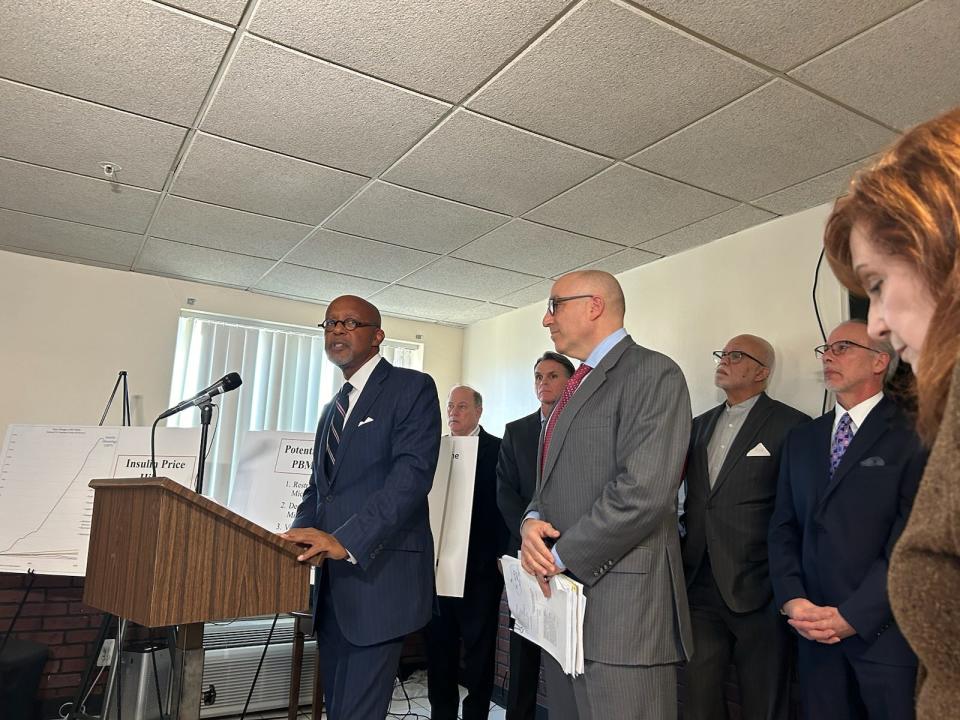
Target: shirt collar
{"points": [[360, 377], [858, 413], [745, 406], [605, 346]]}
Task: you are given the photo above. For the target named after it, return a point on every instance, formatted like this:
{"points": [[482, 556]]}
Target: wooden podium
{"points": [[161, 555]]}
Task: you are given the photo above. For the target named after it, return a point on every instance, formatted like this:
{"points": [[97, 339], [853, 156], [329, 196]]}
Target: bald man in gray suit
{"points": [[604, 511]]}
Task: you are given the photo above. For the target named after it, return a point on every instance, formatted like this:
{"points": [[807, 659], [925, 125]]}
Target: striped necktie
{"points": [[341, 404], [572, 384]]}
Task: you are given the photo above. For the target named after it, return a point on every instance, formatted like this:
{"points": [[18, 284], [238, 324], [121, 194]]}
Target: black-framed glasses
{"points": [[350, 324], [734, 356], [839, 347], [554, 301]]}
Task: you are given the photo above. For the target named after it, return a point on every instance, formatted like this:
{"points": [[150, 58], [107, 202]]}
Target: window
{"points": [[287, 380]]}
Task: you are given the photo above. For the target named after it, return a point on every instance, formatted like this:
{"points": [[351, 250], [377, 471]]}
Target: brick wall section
{"points": [[54, 615]]}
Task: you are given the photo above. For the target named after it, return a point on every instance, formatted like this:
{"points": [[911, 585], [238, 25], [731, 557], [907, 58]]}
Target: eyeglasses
{"points": [[348, 324], [734, 356], [839, 347], [554, 301]]}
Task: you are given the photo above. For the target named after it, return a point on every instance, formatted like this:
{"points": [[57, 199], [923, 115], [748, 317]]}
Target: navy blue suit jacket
{"points": [[830, 540], [375, 504]]}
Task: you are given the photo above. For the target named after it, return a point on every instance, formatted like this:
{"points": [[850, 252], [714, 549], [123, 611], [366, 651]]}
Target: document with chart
{"points": [[46, 503], [554, 623]]}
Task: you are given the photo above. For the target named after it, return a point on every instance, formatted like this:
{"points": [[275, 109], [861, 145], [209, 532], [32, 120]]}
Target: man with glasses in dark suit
{"points": [[847, 483], [516, 481], [731, 483], [364, 514]]}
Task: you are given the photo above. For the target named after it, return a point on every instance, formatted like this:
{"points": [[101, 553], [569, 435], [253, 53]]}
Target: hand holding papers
{"points": [[555, 623]]}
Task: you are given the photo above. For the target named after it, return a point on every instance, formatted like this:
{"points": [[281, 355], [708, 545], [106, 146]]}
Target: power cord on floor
{"points": [[410, 714]]}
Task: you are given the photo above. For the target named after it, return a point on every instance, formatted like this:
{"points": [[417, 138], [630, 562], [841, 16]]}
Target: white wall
{"points": [[67, 329], [757, 281]]}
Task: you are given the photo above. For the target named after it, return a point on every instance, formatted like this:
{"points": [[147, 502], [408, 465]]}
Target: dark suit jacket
{"points": [[488, 533], [375, 504], [830, 540], [732, 519], [517, 474]]}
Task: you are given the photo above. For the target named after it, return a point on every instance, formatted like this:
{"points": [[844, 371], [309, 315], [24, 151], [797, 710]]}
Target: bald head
{"points": [[745, 368], [363, 310], [588, 306]]}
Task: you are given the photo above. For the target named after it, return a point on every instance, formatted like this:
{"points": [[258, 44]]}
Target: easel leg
{"points": [[187, 678]]}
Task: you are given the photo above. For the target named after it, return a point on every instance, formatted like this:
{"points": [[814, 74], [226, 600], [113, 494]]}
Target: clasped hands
{"points": [[319, 546], [535, 557], [822, 624]]}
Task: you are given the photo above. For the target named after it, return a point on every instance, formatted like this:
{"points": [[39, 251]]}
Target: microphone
{"points": [[230, 381]]}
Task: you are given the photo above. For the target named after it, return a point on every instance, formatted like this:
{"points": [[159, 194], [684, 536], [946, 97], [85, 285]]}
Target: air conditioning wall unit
{"points": [[232, 652]]}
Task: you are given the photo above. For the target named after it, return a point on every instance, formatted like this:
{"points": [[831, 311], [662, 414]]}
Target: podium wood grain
{"points": [[160, 554]]}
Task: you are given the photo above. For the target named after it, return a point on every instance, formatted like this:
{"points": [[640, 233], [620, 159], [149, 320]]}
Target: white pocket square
{"points": [[370, 420], [759, 451]]}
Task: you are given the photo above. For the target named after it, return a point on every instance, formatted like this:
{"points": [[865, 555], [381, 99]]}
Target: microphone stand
{"points": [[206, 414]]}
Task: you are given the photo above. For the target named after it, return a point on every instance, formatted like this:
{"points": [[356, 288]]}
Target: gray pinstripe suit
{"points": [[609, 485]]}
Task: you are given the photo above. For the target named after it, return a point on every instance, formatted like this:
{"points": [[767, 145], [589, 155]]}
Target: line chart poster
{"points": [[46, 503]]}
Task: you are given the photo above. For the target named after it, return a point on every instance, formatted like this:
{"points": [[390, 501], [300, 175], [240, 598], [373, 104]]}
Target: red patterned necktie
{"points": [[572, 384]]}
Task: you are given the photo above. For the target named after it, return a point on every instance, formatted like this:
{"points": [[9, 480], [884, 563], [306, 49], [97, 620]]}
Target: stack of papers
{"points": [[554, 623]]}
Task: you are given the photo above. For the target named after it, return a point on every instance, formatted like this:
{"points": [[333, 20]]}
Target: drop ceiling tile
{"points": [[779, 34], [713, 228], [64, 258], [328, 250], [419, 303], [163, 257], [612, 79], [45, 128], [68, 239], [538, 292], [626, 205], [228, 11], [486, 163], [443, 48], [66, 196], [410, 218], [535, 249], [282, 100], [221, 228], [466, 279], [624, 260], [296, 281], [480, 312], [765, 141], [806, 194], [247, 178], [902, 72], [137, 56]]}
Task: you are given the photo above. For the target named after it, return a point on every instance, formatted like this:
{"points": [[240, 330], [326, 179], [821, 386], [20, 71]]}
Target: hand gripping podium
{"points": [[160, 555]]}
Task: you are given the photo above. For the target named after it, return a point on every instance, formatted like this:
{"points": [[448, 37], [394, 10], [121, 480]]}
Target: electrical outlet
{"points": [[106, 653]]}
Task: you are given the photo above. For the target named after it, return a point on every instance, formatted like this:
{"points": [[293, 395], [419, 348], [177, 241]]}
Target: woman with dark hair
{"points": [[896, 238]]}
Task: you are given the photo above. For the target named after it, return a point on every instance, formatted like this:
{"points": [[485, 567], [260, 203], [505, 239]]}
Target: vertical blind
{"points": [[287, 379]]}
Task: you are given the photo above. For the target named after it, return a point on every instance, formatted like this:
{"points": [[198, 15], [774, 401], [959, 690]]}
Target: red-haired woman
{"points": [[896, 238]]}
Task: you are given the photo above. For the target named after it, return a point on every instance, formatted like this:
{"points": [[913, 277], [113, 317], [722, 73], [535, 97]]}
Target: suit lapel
{"points": [[588, 386], [701, 459], [744, 440], [874, 426], [371, 391]]}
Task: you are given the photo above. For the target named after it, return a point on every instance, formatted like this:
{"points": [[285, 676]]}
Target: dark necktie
{"points": [[572, 384], [340, 405], [841, 441]]}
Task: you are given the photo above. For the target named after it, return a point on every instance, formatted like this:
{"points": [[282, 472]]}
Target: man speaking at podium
{"points": [[364, 514]]}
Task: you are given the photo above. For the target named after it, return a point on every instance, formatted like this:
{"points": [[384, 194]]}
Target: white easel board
{"points": [[451, 506], [273, 470], [45, 503]]}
